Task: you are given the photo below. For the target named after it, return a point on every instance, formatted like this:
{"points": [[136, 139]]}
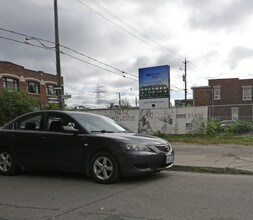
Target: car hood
{"points": [[133, 138]]}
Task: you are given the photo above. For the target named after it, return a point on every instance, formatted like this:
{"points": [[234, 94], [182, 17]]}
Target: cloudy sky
{"points": [[105, 42]]}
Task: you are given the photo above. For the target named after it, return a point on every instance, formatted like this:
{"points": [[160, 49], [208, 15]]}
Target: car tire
{"points": [[104, 168], [8, 166]]}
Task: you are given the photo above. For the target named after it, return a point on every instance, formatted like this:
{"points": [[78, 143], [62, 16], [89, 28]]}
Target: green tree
{"points": [[15, 103], [51, 106]]}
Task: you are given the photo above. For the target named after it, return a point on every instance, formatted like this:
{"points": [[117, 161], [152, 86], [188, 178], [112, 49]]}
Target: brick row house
{"points": [[36, 84], [226, 98]]}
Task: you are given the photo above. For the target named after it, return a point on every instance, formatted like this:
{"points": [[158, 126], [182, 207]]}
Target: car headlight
{"points": [[137, 147]]}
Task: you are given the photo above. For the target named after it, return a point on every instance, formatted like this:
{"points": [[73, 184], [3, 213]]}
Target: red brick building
{"points": [[227, 98], [37, 84]]}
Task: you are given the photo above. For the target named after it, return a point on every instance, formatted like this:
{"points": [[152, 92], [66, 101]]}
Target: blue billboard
{"points": [[154, 87]]}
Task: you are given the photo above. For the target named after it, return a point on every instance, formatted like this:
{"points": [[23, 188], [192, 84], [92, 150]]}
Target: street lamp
{"points": [[59, 87], [122, 95]]}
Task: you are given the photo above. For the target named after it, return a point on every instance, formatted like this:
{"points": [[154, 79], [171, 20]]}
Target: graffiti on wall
{"points": [[170, 121], [149, 119], [121, 115]]}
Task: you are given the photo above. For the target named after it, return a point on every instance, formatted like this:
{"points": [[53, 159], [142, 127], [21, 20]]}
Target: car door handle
{"points": [[14, 136], [46, 139]]}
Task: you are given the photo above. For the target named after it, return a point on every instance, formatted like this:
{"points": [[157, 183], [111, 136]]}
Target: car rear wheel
{"points": [[8, 166], [104, 168]]}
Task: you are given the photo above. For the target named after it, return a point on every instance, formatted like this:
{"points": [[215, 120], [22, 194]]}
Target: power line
{"points": [[75, 51], [158, 46], [124, 72], [173, 52], [80, 92], [96, 66], [11, 39], [141, 36], [25, 35]]}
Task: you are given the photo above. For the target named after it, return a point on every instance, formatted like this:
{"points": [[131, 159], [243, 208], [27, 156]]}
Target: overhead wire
{"points": [[141, 37], [96, 65], [173, 52], [144, 37], [66, 54], [73, 50], [108, 65], [158, 46]]}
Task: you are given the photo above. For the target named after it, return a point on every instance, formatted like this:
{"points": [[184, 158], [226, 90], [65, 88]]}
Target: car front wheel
{"points": [[8, 166], [104, 168]]}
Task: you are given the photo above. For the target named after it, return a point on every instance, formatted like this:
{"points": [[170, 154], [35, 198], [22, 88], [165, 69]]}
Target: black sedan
{"points": [[79, 141]]}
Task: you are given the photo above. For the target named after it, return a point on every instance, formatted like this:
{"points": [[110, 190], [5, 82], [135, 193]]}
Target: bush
{"points": [[213, 127], [13, 104], [239, 127]]}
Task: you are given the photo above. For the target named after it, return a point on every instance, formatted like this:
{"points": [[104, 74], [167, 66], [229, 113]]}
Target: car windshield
{"points": [[98, 124]]}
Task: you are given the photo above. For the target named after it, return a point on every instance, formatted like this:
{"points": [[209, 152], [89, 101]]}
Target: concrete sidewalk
{"points": [[238, 157]]}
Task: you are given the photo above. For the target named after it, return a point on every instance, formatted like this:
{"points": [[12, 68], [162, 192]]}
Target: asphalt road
{"points": [[166, 195]]}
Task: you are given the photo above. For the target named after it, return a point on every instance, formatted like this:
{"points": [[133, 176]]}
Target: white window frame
{"points": [[247, 93], [217, 92], [11, 83], [31, 85], [234, 113], [50, 90]]}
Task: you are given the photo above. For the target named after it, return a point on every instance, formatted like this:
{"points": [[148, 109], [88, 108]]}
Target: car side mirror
{"points": [[69, 130]]}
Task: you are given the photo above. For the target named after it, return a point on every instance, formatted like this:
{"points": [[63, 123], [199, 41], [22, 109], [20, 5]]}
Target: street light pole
{"points": [[57, 54]]}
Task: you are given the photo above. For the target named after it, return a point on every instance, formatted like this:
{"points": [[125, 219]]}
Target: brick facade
{"points": [[17, 72], [226, 98]]}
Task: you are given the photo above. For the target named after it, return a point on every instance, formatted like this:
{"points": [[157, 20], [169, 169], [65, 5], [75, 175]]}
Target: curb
{"points": [[211, 170]]}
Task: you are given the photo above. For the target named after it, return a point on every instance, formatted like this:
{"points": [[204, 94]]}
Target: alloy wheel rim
{"points": [[5, 162], [103, 168]]}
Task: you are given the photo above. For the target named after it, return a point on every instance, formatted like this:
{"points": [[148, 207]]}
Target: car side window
{"points": [[55, 123], [31, 123]]}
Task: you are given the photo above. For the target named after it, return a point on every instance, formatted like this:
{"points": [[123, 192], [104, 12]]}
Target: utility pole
{"points": [[57, 54], [119, 100], [185, 81]]}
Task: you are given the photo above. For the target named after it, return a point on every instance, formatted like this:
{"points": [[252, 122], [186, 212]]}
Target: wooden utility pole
{"points": [[57, 54], [185, 81]]}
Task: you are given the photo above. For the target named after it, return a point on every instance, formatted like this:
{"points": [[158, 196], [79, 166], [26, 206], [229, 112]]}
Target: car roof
{"points": [[59, 111]]}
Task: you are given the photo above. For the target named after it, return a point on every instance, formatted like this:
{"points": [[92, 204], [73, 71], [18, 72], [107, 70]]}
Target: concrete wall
{"points": [[170, 121]]}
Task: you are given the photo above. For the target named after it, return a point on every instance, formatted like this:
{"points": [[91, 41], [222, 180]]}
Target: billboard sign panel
{"points": [[154, 87]]}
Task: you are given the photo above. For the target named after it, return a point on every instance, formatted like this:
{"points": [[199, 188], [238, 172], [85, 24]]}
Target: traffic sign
{"points": [[53, 100], [58, 88]]}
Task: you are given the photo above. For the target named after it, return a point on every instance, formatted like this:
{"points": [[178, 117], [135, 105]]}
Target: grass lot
{"points": [[246, 139]]}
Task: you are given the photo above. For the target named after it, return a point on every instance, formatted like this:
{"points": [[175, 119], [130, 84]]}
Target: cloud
{"points": [[219, 14], [239, 54], [202, 31]]}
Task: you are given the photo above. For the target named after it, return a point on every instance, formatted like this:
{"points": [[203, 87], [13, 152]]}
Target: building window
{"points": [[33, 87], [51, 90], [216, 93], [10, 84], [246, 92]]}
